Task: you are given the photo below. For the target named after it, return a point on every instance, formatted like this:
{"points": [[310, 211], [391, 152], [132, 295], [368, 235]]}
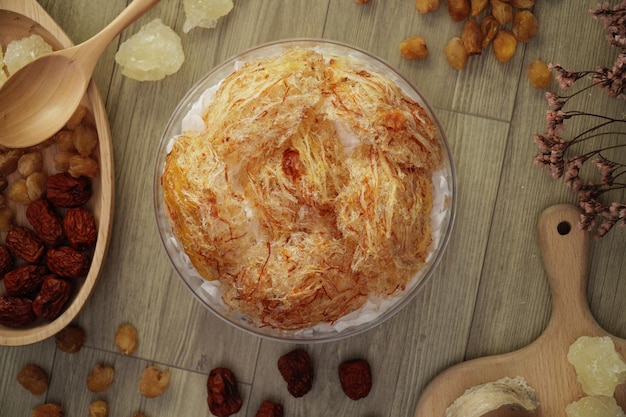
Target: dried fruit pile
{"points": [[499, 23], [46, 256]]}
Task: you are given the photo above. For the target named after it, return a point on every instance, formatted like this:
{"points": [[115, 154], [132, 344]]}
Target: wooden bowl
{"points": [[19, 19]]}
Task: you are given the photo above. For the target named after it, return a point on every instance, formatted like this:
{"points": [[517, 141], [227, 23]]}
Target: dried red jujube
{"points": [[47, 224], [16, 311], [25, 244], [67, 262], [223, 395], [54, 294], [296, 369], [25, 279]]}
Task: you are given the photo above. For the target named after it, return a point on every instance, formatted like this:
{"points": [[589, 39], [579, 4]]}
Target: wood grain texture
{"points": [[489, 295]]}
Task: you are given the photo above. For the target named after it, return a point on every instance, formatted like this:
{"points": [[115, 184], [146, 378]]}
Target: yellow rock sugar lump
{"points": [[599, 367], [204, 13], [594, 406], [152, 53], [22, 51]]}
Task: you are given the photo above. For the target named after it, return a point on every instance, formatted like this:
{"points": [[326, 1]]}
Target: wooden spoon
{"points": [[38, 99], [543, 363]]}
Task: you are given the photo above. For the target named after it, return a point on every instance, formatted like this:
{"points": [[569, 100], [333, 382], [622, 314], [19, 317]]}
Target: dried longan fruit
{"points": [[48, 410], [458, 10], [472, 37], [426, 6], [64, 140], [478, 6], [455, 53], [100, 378], [8, 161], [504, 45], [85, 139], [502, 11], [82, 166], [153, 382], [98, 408], [33, 379], [126, 338], [18, 192], [62, 159], [414, 48], [522, 4], [489, 26], [70, 339], [77, 117], [539, 74], [29, 162], [525, 26], [36, 185]]}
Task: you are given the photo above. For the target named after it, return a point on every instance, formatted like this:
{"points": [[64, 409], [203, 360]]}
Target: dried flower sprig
{"points": [[605, 135]]}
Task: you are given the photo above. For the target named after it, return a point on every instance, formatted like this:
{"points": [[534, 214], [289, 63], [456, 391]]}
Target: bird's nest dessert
{"points": [[307, 190]]}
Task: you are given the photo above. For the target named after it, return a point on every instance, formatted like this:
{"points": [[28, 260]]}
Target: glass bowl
{"points": [[208, 292]]}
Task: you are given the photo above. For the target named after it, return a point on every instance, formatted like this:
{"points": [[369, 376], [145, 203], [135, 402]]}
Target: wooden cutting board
{"points": [[543, 363], [18, 19]]}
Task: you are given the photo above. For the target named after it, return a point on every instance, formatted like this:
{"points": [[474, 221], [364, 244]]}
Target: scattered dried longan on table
{"points": [[153, 382], [126, 338], [478, 6], [472, 37], [504, 45], [455, 53], [414, 48], [539, 74], [48, 410], [489, 27], [70, 339], [525, 26], [502, 11], [99, 408], [100, 378], [33, 379], [458, 10], [426, 6]]}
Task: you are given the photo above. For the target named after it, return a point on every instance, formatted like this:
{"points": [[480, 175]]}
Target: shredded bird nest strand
{"points": [[308, 192]]}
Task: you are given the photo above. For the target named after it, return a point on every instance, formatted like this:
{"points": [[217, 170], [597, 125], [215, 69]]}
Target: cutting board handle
{"points": [[565, 252]]}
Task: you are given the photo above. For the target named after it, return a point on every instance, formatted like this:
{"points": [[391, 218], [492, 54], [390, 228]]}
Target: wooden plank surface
{"points": [[489, 295]]}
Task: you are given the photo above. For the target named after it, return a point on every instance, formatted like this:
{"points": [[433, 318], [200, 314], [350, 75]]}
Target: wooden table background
{"points": [[488, 296]]}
